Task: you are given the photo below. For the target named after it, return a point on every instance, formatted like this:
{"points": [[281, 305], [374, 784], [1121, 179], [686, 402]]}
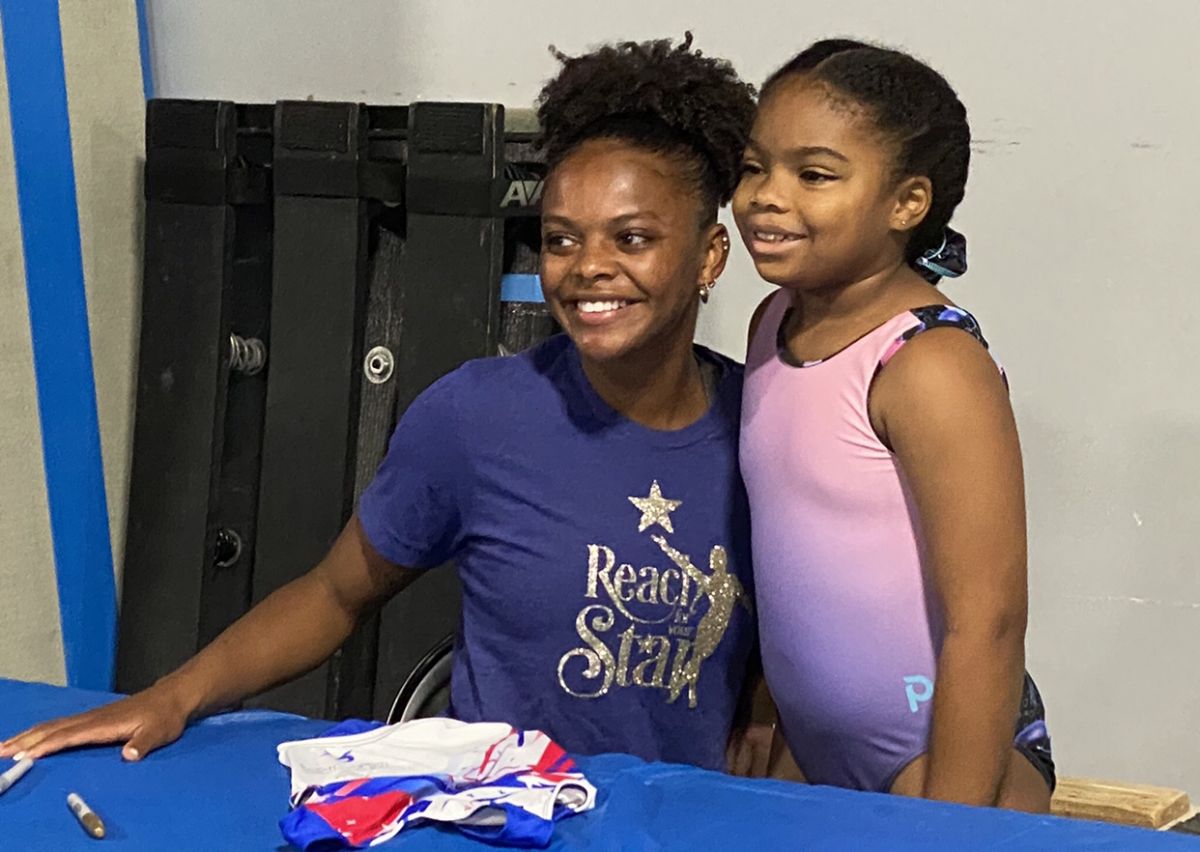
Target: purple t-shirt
{"points": [[605, 566]]}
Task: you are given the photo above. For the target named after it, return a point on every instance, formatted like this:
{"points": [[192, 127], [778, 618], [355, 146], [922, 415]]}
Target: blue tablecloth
{"points": [[221, 788]]}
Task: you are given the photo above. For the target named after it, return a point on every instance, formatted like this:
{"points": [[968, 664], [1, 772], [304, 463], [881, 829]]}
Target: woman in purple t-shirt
{"points": [[587, 490]]}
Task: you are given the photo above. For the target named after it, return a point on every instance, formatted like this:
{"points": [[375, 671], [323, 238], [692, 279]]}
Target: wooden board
{"points": [[1116, 802]]}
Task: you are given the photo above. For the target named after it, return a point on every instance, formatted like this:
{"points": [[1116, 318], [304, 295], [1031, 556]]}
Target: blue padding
{"points": [[223, 788], [62, 349], [144, 50]]}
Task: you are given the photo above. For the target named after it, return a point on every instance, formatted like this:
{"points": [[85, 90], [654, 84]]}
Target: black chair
{"points": [[426, 690]]}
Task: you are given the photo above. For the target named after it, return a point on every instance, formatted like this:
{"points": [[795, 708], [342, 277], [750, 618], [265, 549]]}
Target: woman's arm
{"points": [[290, 632]]}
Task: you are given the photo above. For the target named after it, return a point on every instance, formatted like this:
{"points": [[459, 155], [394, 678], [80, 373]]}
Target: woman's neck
{"points": [[660, 388]]}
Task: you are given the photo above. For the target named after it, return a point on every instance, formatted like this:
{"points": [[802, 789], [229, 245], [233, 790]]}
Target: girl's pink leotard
{"points": [[850, 635]]}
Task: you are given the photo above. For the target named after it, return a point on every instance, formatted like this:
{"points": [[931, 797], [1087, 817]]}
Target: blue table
{"points": [[221, 788]]}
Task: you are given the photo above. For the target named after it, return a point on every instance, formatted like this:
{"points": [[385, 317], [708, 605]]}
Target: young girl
{"points": [[878, 446], [587, 490]]}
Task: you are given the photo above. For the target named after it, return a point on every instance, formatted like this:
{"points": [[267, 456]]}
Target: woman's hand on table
{"points": [[142, 722]]}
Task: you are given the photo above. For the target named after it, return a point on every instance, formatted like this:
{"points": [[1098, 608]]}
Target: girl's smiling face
{"points": [[819, 203]]}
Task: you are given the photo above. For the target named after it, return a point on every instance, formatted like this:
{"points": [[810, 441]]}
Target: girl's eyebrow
{"points": [[805, 151]]}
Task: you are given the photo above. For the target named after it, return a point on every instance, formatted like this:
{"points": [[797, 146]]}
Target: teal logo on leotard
{"points": [[915, 698]]}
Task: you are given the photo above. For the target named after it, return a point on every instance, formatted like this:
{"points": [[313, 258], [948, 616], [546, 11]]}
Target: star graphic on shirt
{"points": [[655, 509]]}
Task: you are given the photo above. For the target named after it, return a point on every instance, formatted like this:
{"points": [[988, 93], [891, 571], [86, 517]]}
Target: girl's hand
{"points": [[749, 751]]}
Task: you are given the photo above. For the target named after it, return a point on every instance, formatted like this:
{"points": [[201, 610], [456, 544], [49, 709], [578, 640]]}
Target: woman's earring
{"points": [[705, 289]]}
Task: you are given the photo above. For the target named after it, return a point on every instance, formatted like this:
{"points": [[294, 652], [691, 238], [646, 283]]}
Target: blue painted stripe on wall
{"points": [[144, 47], [62, 351]]}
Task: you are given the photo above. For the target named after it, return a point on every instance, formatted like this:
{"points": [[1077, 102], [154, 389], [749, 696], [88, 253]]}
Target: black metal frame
{"points": [[426, 689], [364, 247], [197, 433]]}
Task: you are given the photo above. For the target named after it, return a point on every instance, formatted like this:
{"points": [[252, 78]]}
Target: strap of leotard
{"points": [[935, 316]]}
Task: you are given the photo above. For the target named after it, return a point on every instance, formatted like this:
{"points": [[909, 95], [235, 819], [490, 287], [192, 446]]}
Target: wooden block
{"points": [[1116, 802]]}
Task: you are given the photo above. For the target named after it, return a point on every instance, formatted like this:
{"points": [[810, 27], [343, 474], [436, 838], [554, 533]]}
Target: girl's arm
{"points": [[942, 407]]}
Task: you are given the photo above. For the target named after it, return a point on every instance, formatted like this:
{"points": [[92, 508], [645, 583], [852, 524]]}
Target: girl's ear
{"points": [[914, 196]]}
